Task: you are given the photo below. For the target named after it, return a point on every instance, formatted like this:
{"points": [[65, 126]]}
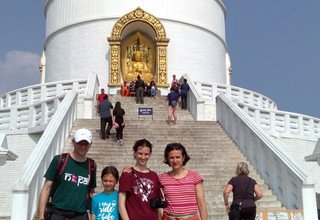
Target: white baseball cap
{"points": [[83, 135]]}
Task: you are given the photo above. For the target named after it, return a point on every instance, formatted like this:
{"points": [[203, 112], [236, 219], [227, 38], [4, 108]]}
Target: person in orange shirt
{"points": [[124, 89]]}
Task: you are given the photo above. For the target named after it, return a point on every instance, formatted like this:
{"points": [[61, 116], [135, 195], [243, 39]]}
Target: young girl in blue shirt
{"points": [[105, 204]]}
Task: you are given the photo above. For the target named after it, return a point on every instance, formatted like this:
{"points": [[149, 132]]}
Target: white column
{"points": [[309, 201], [20, 198], [87, 108]]}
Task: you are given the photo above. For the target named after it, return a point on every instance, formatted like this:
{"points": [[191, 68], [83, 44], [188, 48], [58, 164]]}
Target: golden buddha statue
{"points": [[138, 67]]}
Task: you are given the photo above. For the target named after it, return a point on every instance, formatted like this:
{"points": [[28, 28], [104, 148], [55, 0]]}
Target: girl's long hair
{"points": [[117, 109]]}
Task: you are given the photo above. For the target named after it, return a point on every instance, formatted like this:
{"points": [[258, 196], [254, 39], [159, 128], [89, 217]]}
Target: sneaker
{"points": [[121, 142]]}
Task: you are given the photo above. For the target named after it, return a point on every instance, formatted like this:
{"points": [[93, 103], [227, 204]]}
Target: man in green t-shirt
{"points": [[70, 197]]}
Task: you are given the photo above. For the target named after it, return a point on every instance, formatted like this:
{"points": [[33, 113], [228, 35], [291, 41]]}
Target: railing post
{"points": [[309, 201], [228, 91], [300, 125], [286, 121], [20, 197], [59, 89], [13, 118], [257, 116], [75, 86], [8, 99], [214, 93], [32, 116], [30, 97], [18, 98], [251, 99], [241, 96], [43, 93], [1, 101], [311, 126], [44, 113], [272, 122]]}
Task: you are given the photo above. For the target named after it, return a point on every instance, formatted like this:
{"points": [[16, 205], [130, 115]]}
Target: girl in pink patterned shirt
{"points": [[183, 188]]}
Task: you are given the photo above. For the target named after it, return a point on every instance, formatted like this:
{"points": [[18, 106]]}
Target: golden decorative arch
{"points": [[161, 44]]}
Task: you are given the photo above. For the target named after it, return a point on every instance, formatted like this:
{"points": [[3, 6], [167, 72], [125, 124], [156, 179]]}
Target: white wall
{"points": [[298, 148], [77, 32]]}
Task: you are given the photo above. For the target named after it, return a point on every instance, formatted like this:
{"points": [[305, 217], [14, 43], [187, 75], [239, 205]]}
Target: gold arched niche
{"points": [[161, 44]]}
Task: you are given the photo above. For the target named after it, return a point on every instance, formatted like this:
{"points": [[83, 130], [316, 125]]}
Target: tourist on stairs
{"points": [[119, 121], [183, 188], [245, 192], [172, 98], [138, 187], [104, 109]]}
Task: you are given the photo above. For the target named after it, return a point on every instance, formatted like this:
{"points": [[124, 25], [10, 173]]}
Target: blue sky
{"points": [[273, 44]]}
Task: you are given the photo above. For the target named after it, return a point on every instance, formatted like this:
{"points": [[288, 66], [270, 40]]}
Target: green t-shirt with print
{"points": [[71, 193]]}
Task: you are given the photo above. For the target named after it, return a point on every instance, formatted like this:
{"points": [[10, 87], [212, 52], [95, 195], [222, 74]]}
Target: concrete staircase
{"points": [[212, 152]]}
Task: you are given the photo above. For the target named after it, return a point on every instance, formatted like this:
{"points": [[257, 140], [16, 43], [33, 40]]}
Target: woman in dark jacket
{"points": [[119, 121], [245, 192]]}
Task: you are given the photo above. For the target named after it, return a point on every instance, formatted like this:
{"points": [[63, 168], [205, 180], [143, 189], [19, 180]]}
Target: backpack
{"points": [[61, 166]]}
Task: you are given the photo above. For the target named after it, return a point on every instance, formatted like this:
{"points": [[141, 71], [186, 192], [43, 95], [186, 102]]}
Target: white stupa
{"points": [[101, 43], [176, 37]]}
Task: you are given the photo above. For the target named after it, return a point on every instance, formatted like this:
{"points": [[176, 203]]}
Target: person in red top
{"points": [[100, 96], [138, 187], [183, 188]]}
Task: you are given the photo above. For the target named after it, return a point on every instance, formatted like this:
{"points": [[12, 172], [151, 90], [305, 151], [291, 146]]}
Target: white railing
{"points": [[261, 109], [26, 191], [284, 124], [33, 114], [210, 91], [89, 99], [29, 116], [195, 102], [287, 180], [41, 92]]}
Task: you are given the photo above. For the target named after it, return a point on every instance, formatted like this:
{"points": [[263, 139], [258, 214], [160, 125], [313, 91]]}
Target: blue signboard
{"points": [[145, 111]]}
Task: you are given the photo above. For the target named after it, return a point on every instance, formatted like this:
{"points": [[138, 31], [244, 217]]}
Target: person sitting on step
{"points": [[124, 89]]}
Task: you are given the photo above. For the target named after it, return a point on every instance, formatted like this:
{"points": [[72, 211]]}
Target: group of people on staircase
{"points": [[142, 89], [139, 89], [117, 119], [70, 183], [68, 191], [176, 91]]}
